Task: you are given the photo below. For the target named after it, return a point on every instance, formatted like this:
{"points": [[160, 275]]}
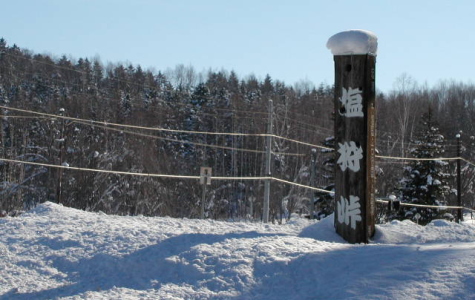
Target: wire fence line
{"points": [[119, 127], [418, 159], [190, 142], [113, 126], [468, 162], [67, 167], [179, 141], [384, 201], [94, 122], [109, 126], [195, 177]]}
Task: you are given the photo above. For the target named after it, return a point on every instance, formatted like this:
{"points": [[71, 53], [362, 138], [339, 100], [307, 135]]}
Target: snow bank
{"points": [[323, 231], [438, 231], [353, 42], [54, 252]]}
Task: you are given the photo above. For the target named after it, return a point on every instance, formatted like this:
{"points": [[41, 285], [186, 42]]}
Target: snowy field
{"points": [[54, 252]]}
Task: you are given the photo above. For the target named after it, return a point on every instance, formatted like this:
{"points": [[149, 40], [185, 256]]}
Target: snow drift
{"points": [[58, 252]]}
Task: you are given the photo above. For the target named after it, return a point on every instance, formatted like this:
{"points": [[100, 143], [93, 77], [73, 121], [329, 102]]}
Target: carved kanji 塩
{"points": [[352, 103]]}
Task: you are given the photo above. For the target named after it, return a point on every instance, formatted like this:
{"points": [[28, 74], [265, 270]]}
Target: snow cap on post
{"points": [[353, 42]]}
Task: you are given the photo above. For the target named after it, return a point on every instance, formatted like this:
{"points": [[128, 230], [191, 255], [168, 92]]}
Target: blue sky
{"points": [[428, 40]]}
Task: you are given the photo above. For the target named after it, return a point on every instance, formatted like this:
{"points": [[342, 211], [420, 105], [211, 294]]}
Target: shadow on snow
{"points": [[147, 268]]}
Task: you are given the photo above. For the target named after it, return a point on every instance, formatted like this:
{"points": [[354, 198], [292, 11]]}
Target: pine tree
{"points": [[324, 202], [468, 173], [425, 182]]}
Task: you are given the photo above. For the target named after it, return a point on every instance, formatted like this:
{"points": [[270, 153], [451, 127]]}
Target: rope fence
{"points": [[194, 177], [108, 126], [120, 127], [381, 200], [64, 167]]}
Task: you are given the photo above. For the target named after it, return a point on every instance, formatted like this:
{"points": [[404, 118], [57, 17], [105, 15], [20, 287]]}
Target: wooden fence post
{"points": [[355, 94]]}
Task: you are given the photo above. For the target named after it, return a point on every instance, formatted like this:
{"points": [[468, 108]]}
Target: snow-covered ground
{"points": [[57, 252]]}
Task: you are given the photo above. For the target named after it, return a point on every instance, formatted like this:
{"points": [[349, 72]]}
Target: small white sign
{"points": [[205, 175]]}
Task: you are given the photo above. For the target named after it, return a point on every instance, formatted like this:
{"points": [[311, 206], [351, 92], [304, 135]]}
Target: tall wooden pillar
{"points": [[355, 146]]}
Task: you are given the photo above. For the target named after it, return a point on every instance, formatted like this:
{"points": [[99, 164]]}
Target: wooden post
{"points": [[311, 193], [459, 182], [265, 217], [61, 141], [205, 179], [355, 145]]}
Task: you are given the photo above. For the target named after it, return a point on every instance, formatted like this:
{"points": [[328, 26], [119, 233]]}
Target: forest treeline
{"points": [[191, 106]]}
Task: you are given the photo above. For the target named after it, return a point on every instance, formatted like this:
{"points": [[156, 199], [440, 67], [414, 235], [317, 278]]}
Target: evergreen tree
{"points": [[324, 202], [425, 181], [468, 173]]}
